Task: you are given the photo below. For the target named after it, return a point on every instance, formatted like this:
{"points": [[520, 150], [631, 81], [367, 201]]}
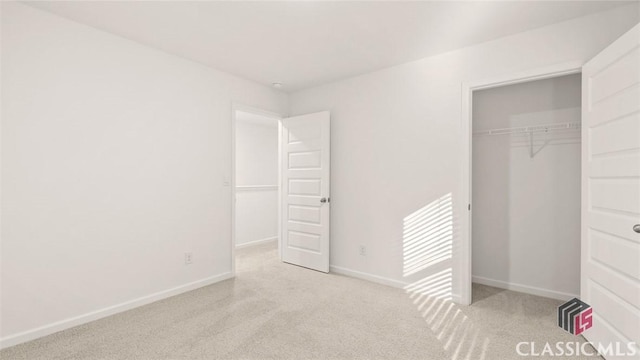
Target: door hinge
{"points": [[469, 207]]}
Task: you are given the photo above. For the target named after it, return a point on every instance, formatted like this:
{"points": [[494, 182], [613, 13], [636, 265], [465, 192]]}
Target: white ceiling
{"points": [[303, 44]]}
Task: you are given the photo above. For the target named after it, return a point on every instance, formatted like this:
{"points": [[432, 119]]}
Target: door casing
{"points": [[464, 256]]}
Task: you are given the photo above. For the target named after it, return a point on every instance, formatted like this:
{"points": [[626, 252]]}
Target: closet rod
{"points": [[529, 129]]}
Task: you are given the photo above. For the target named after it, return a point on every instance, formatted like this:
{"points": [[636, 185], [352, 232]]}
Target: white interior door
{"points": [[611, 192], [305, 203]]}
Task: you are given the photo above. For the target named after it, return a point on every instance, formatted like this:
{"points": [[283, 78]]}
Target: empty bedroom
{"points": [[319, 180]]}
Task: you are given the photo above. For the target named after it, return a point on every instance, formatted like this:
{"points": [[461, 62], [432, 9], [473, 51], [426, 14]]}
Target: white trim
{"points": [[256, 111], [256, 187], [464, 252], [456, 298], [547, 72], [235, 107], [256, 242], [366, 276], [280, 189], [108, 311], [377, 279], [525, 288]]}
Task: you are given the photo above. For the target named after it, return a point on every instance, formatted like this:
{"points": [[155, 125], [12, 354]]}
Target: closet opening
{"points": [[526, 188], [255, 187]]}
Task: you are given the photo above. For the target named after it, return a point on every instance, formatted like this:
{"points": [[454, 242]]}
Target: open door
{"points": [[305, 207], [611, 194]]}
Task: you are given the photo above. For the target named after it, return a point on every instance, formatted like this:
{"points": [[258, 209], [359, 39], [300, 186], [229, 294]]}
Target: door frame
{"points": [[465, 206], [235, 107]]}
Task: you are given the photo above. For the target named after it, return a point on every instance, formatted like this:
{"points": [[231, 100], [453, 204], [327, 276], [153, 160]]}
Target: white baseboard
{"points": [[366, 276], [457, 299], [524, 288], [379, 279], [257, 242], [49, 329]]}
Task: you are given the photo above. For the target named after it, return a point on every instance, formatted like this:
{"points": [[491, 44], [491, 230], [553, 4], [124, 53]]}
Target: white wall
{"points": [[114, 157], [526, 218], [256, 179], [396, 140], [256, 150]]}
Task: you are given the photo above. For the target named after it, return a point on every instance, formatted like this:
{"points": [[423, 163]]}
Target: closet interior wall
{"points": [[526, 187]]}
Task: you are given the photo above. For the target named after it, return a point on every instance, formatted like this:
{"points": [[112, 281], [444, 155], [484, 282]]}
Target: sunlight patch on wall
{"points": [[428, 236], [428, 261]]}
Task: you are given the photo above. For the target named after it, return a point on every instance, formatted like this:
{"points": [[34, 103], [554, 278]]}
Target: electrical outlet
{"points": [[188, 258], [363, 250]]}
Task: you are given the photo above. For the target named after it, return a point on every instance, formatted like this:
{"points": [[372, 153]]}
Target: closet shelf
{"points": [[530, 129]]}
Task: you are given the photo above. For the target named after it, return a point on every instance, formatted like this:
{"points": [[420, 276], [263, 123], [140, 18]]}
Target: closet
{"points": [[526, 187]]}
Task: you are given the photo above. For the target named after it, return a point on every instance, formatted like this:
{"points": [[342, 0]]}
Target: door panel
{"points": [[625, 130], [611, 192], [621, 255], [615, 194], [623, 103], [620, 75], [305, 152]]}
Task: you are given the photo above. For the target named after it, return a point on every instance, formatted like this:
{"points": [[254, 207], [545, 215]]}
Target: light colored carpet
{"points": [[279, 311]]}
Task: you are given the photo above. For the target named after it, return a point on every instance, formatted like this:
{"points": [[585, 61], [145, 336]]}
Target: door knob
{"points": [[636, 228], [324, 200]]}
